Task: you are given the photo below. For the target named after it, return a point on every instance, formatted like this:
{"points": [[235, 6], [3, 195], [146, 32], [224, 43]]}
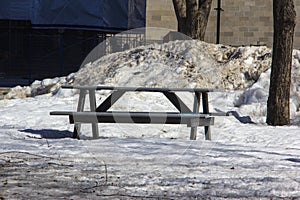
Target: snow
{"points": [[245, 159]]}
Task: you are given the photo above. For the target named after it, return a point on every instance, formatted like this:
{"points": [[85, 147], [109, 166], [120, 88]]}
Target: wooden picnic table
{"points": [[101, 114]]}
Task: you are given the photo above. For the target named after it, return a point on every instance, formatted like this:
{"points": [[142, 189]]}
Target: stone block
{"points": [[227, 34], [156, 17], [248, 34]]}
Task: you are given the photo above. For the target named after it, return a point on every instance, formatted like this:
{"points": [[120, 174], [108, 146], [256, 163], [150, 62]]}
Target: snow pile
{"points": [[244, 66], [179, 64], [38, 88], [256, 96], [186, 63]]}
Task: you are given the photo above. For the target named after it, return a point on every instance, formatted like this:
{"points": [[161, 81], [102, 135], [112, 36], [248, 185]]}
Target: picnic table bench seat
{"points": [[190, 119]]}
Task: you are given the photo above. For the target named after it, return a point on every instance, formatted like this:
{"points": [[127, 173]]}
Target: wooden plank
{"points": [[143, 89], [92, 97], [205, 107], [195, 122], [110, 100], [177, 102], [61, 113], [141, 117], [196, 107], [220, 114], [209, 114], [80, 108], [125, 113]]}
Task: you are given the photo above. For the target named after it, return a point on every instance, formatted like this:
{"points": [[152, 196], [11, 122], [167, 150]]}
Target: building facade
{"points": [[243, 22]]}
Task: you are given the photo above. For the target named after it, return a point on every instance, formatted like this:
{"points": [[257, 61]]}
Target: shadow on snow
{"points": [[49, 133]]}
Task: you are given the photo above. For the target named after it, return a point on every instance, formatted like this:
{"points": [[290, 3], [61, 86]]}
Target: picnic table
{"points": [[101, 113]]}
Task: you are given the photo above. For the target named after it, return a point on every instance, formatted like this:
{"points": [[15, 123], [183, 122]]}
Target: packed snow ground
{"points": [[245, 159]]}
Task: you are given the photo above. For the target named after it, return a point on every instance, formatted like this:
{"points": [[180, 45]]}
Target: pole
{"points": [[219, 9], [61, 31]]}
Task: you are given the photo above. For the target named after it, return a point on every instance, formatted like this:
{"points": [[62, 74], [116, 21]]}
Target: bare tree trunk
{"points": [[192, 17], [180, 11], [278, 108]]}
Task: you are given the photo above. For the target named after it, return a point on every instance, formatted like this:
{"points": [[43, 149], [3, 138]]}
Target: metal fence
{"points": [[29, 54]]}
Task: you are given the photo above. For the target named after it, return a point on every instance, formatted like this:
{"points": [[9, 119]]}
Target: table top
{"points": [[143, 89]]}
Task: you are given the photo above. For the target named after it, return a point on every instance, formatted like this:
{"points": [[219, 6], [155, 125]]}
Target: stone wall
{"points": [[243, 22], [160, 13]]}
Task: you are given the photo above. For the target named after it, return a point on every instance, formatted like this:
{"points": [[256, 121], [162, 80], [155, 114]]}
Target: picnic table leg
{"points": [[80, 108], [92, 97], [196, 107], [207, 131], [110, 100], [177, 102]]}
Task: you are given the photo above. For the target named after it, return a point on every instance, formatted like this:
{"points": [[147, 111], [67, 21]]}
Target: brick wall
{"points": [[243, 22]]}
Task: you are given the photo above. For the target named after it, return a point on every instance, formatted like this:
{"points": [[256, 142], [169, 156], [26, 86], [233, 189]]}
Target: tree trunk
{"points": [[192, 17], [180, 11], [278, 108]]}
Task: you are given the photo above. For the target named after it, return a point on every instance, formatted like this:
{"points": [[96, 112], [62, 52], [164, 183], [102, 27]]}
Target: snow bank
{"points": [[186, 63], [257, 95], [38, 88]]}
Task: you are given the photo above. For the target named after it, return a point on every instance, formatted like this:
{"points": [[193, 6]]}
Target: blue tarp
{"points": [[105, 15], [16, 9]]}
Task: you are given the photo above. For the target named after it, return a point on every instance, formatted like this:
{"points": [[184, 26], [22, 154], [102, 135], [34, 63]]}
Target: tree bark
{"points": [[278, 106], [180, 11], [192, 17]]}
